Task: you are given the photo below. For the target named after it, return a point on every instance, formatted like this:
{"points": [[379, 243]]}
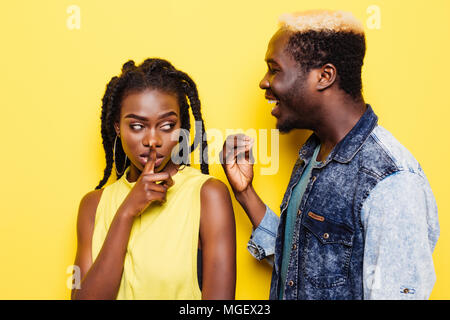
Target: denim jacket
{"points": [[366, 226]]}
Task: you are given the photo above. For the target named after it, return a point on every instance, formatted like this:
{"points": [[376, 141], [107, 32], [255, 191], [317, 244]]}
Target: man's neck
{"points": [[338, 120]]}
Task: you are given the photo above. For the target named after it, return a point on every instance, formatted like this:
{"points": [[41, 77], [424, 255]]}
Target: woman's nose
{"points": [[152, 139]]}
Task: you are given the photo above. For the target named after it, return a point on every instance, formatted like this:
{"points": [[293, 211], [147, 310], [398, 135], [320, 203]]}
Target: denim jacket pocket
{"points": [[326, 252]]}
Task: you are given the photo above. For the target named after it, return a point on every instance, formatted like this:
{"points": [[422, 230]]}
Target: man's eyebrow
{"points": [[270, 60], [164, 115]]}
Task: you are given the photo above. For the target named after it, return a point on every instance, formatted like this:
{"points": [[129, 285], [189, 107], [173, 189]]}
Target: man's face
{"points": [[287, 86]]}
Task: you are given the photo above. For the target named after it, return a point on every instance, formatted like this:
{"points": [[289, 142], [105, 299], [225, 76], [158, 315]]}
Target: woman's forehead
{"points": [[149, 103]]}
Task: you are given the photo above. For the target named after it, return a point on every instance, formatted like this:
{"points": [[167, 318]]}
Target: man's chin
{"points": [[284, 127]]}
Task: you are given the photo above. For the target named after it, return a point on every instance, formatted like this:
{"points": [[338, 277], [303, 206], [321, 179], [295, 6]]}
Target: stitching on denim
{"points": [[385, 150], [257, 251], [370, 173], [267, 231], [340, 159], [294, 266], [315, 280], [332, 221]]}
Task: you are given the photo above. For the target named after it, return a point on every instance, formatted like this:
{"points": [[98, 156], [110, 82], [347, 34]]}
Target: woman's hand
{"points": [[149, 187], [237, 161]]}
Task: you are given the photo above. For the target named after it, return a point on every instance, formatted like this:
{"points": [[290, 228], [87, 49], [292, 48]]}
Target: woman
{"points": [[163, 230]]}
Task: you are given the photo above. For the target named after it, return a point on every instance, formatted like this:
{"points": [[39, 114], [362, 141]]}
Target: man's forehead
{"points": [[276, 45]]}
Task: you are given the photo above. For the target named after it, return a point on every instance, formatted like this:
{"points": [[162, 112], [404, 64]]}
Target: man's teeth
{"points": [[275, 102]]}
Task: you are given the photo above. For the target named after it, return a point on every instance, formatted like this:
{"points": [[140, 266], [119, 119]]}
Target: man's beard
{"points": [[292, 121], [287, 126]]}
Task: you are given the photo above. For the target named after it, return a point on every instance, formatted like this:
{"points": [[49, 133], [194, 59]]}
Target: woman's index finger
{"points": [[150, 165]]}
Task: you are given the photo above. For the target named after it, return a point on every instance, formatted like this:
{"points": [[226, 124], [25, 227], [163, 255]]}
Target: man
{"points": [[358, 219]]}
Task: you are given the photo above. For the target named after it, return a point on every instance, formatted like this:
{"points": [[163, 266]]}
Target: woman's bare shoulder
{"points": [[88, 206], [214, 187], [215, 199]]}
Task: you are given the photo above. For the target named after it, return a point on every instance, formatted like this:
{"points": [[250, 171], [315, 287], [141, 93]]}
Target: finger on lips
{"points": [[150, 165]]}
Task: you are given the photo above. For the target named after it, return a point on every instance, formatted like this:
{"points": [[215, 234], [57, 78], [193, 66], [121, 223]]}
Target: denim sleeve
{"points": [[262, 241], [401, 229]]}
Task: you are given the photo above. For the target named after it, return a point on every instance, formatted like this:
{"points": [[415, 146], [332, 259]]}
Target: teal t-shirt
{"points": [[294, 203]]}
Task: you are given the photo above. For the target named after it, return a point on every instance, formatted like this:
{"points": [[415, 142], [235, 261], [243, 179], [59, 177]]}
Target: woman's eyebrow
{"points": [[135, 116], [164, 115], [167, 114]]}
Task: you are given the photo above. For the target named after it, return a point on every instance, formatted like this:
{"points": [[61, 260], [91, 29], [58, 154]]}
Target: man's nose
{"points": [[264, 83]]}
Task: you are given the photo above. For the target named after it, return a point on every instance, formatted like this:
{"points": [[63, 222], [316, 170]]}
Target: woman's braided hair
{"points": [[153, 74]]}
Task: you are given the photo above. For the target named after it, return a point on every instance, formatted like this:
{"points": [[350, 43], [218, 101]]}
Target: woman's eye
{"points": [[136, 126], [167, 126]]}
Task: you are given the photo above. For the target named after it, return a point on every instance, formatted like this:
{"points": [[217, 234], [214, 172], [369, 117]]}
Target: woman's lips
{"points": [[144, 159]]}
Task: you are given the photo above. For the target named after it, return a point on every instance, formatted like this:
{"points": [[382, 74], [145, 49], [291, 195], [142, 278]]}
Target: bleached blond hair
{"points": [[319, 37], [321, 20]]}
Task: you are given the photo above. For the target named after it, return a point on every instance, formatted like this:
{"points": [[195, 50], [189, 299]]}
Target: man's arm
{"points": [[401, 230], [265, 225], [262, 241], [237, 162]]}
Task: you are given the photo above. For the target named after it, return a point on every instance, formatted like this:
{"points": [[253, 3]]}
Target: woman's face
{"points": [[149, 119]]}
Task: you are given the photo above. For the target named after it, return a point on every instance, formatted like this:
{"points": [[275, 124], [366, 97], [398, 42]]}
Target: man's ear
{"points": [[327, 76]]}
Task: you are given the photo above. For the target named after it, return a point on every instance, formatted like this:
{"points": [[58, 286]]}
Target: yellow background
{"points": [[52, 79]]}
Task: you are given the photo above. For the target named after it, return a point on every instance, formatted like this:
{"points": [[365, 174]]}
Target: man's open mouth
{"points": [[275, 109]]}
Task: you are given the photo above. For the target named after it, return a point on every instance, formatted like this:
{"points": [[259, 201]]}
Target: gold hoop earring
{"points": [[114, 159]]}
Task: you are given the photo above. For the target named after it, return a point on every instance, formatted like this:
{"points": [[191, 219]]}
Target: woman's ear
{"points": [[117, 128], [327, 76]]}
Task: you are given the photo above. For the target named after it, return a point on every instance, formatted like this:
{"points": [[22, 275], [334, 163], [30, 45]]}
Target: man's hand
{"points": [[237, 161]]}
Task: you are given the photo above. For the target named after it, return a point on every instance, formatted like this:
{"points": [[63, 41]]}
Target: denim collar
{"points": [[346, 149]]}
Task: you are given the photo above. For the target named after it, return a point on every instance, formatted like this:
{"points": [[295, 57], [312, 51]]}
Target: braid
{"points": [[107, 100], [155, 74], [110, 110], [200, 133], [152, 65]]}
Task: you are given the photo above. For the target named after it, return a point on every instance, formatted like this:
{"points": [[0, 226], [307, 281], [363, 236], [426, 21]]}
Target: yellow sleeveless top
{"points": [[161, 258]]}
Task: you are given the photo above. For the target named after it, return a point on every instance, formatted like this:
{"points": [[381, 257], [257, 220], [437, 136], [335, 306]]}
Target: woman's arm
{"points": [[101, 279], [218, 241], [85, 229]]}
